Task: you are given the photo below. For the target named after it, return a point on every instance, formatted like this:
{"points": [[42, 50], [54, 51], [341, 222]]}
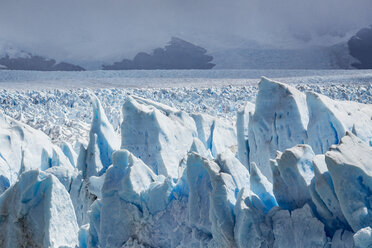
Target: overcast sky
{"points": [[106, 30]]}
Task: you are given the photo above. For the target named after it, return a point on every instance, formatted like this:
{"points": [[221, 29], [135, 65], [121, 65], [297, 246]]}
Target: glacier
{"points": [[292, 169], [37, 212]]}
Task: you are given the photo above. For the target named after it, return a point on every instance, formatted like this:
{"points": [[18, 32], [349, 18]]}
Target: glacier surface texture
{"points": [[292, 168]]}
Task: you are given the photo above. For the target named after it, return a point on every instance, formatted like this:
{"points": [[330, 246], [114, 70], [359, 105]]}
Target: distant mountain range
{"points": [[21, 60], [181, 54], [360, 46], [178, 54], [316, 57]]}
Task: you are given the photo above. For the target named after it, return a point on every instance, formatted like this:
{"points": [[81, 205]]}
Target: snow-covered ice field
{"points": [[186, 159], [58, 103], [173, 78]]}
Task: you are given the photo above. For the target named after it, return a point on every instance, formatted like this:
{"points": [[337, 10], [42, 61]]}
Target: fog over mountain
{"points": [[92, 32]]}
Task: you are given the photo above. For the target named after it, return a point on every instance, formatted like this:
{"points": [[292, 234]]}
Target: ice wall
{"points": [[296, 172]]}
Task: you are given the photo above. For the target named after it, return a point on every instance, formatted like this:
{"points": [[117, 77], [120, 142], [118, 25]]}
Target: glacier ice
{"points": [[363, 238], [229, 164], [252, 228], [330, 119], [242, 123], [199, 185], [284, 117], [349, 165], [198, 147], [292, 177], [103, 141], [37, 212], [70, 153], [159, 135], [120, 198], [92, 162], [222, 201], [279, 122], [342, 239], [262, 188], [298, 228], [216, 134], [24, 148], [324, 197], [173, 179]]}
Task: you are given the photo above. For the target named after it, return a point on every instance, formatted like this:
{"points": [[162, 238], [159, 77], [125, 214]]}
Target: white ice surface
{"points": [[37, 212], [203, 195]]}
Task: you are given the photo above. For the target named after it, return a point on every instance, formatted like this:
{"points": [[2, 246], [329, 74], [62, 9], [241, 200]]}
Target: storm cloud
{"points": [[97, 30]]}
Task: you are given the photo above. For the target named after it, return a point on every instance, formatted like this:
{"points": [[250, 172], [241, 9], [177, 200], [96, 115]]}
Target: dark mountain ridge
{"points": [[36, 63], [360, 47], [178, 54]]}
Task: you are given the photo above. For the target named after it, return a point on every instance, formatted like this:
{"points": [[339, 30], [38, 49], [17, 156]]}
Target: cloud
{"points": [[85, 30]]}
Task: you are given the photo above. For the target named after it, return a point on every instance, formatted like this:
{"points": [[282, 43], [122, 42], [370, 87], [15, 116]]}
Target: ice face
{"points": [[179, 180], [363, 238], [24, 148], [159, 135], [124, 183], [291, 228], [293, 173], [229, 164], [342, 239], [330, 119], [222, 201], [37, 212], [242, 123], [285, 117], [216, 134], [324, 197], [262, 188], [279, 122], [349, 165], [199, 148], [251, 229], [199, 187], [103, 141], [69, 152]]}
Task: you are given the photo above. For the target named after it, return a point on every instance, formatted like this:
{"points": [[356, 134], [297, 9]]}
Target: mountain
{"points": [[13, 59], [315, 57], [178, 54], [360, 47]]}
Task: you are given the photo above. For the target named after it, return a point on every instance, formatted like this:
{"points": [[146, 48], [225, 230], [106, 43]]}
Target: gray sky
{"points": [[107, 30]]}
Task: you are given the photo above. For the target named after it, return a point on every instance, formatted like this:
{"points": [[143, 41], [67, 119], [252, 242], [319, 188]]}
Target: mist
{"points": [[103, 31]]}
